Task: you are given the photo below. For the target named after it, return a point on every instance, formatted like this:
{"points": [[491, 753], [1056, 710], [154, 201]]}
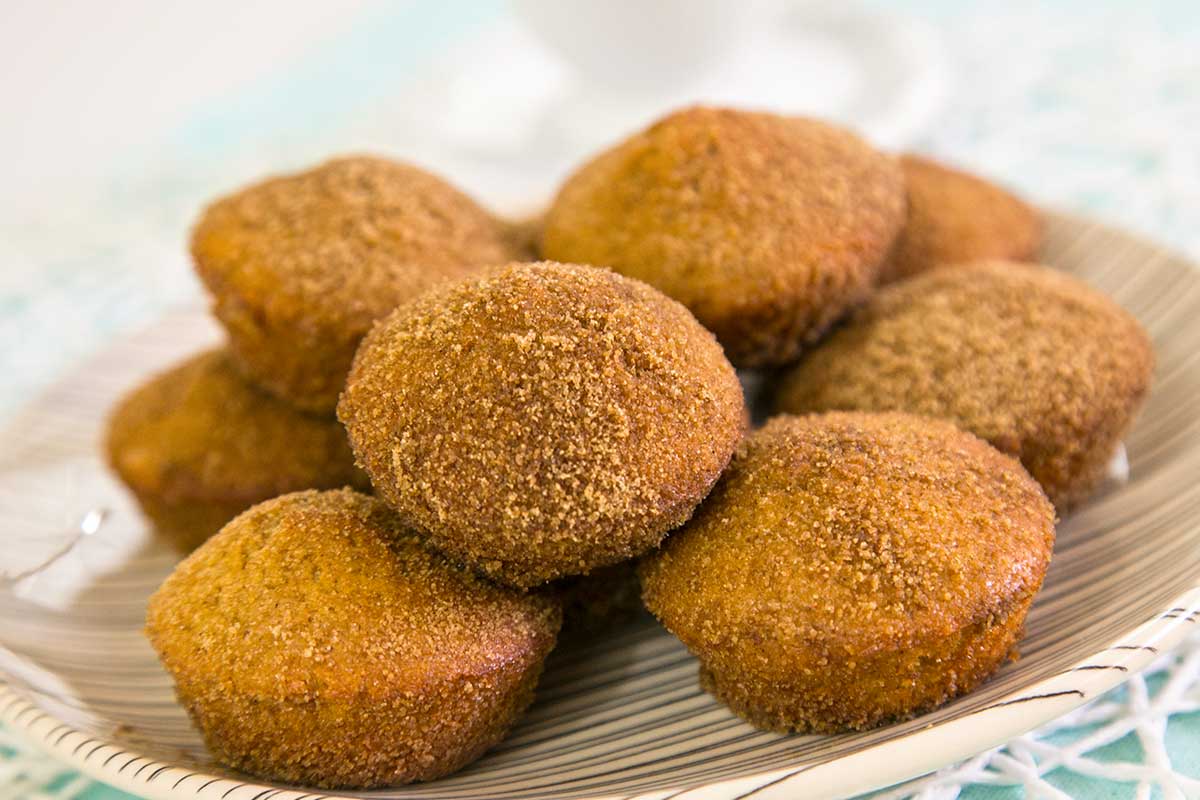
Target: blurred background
{"points": [[122, 118]]}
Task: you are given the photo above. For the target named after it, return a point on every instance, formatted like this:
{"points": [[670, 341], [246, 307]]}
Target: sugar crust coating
{"points": [[851, 569], [301, 265], [543, 420], [316, 641], [955, 217], [768, 228], [197, 445], [1030, 359]]}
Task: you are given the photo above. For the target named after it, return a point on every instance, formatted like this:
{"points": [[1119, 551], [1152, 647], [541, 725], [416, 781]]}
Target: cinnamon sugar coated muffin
{"points": [[1030, 359], [768, 228], [316, 641], [299, 266], [543, 420], [851, 569], [955, 217], [197, 445]]}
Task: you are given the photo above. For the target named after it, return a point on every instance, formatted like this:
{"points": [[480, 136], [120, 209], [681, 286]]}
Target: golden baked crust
{"points": [[316, 641], [1032, 360], [197, 445], [299, 266], [768, 228], [856, 692], [543, 420], [955, 217], [853, 568]]}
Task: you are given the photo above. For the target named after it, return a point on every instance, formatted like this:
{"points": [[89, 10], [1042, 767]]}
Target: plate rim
{"points": [[923, 751], [874, 767]]}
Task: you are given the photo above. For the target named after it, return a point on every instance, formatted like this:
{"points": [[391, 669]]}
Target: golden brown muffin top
{"points": [[199, 432], [733, 212], [344, 243], [327, 594], [545, 415], [1019, 354], [847, 534], [955, 217]]}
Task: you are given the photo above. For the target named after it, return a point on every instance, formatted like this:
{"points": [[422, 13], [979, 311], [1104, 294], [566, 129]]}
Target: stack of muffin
{"points": [[533, 429]]}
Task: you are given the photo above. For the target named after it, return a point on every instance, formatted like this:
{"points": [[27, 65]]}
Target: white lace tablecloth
{"points": [[1091, 107]]}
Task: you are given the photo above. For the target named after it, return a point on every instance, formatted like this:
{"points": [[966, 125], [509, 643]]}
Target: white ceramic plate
{"points": [[622, 716]]}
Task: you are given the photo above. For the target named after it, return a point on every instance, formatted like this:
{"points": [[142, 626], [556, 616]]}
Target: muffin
{"points": [[197, 445], [768, 228], [299, 266], [955, 217], [1032, 360], [543, 420], [851, 569], [316, 641]]}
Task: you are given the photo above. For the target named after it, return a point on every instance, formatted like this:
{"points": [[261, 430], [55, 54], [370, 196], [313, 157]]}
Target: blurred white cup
{"points": [[641, 46]]}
